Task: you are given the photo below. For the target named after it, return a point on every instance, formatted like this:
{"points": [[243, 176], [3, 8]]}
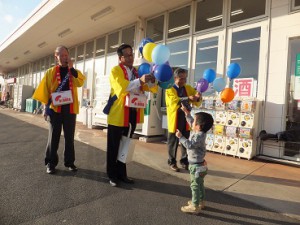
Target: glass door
{"points": [[209, 54], [245, 48], [292, 132]]}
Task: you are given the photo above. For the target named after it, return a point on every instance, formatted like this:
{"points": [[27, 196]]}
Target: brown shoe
{"points": [[201, 204], [174, 168], [191, 209]]}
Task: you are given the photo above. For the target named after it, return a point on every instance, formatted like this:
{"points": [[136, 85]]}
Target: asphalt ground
{"points": [[30, 196]]}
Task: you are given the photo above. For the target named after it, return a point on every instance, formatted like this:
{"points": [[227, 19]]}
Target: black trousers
{"points": [[58, 121], [173, 143], [114, 168]]}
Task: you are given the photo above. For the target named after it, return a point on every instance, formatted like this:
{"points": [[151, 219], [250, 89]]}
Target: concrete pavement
{"points": [[271, 185]]}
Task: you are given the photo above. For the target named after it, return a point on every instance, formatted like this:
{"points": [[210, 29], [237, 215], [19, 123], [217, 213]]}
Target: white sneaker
{"points": [[191, 209], [112, 183], [201, 204]]}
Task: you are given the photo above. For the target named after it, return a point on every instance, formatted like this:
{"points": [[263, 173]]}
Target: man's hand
{"points": [[178, 133], [146, 78], [70, 63], [196, 97]]}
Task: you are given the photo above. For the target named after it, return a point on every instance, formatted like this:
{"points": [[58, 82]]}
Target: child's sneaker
{"points": [[191, 209], [201, 205]]}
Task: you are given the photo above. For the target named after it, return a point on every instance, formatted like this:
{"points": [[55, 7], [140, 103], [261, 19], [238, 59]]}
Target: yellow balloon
{"points": [[147, 51]]}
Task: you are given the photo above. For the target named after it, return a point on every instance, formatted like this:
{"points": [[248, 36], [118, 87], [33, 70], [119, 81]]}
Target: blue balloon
{"points": [[160, 54], [233, 70], [209, 75], [144, 68], [163, 72], [168, 84], [219, 84], [143, 43]]}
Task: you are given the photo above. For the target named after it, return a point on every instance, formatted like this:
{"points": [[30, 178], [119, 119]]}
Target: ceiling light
{"points": [[211, 19], [208, 47], [43, 44], [114, 46], [207, 62], [236, 12], [102, 13], [99, 50], [182, 65], [179, 28], [248, 40], [65, 33], [236, 59], [179, 53]]}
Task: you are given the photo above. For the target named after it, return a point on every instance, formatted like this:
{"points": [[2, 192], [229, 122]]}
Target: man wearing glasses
{"points": [[124, 80]]}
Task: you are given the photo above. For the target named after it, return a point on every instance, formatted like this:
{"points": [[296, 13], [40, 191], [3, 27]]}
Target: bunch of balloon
{"points": [[143, 43], [157, 57], [233, 71]]}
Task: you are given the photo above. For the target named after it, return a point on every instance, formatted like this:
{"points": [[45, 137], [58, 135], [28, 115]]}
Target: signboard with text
{"points": [[244, 87]]}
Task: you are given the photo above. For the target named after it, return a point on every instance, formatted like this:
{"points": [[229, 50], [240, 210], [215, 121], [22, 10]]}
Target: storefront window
{"points": [[179, 22], [179, 53], [80, 54], [88, 70], [206, 56], [72, 54], [292, 148], [52, 61], [209, 14], [245, 9], [100, 46], [178, 58], [128, 36], [111, 61], [155, 28], [113, 42], [89, 50], [245, 51]]}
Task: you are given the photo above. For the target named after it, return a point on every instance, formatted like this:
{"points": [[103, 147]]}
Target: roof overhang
{"points": [[38, 36]]}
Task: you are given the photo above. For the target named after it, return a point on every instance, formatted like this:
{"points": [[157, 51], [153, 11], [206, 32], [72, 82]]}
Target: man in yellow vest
{"points": [[124, 81], [58, 92], [180, 93]]}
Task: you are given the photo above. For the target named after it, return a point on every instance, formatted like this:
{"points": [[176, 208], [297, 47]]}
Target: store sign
{"points": [[297, 78], [244, 87], [11, 80]]}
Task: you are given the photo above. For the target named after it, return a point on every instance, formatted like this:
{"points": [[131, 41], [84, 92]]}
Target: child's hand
{"points": [[184, 109], [178, 133]]}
